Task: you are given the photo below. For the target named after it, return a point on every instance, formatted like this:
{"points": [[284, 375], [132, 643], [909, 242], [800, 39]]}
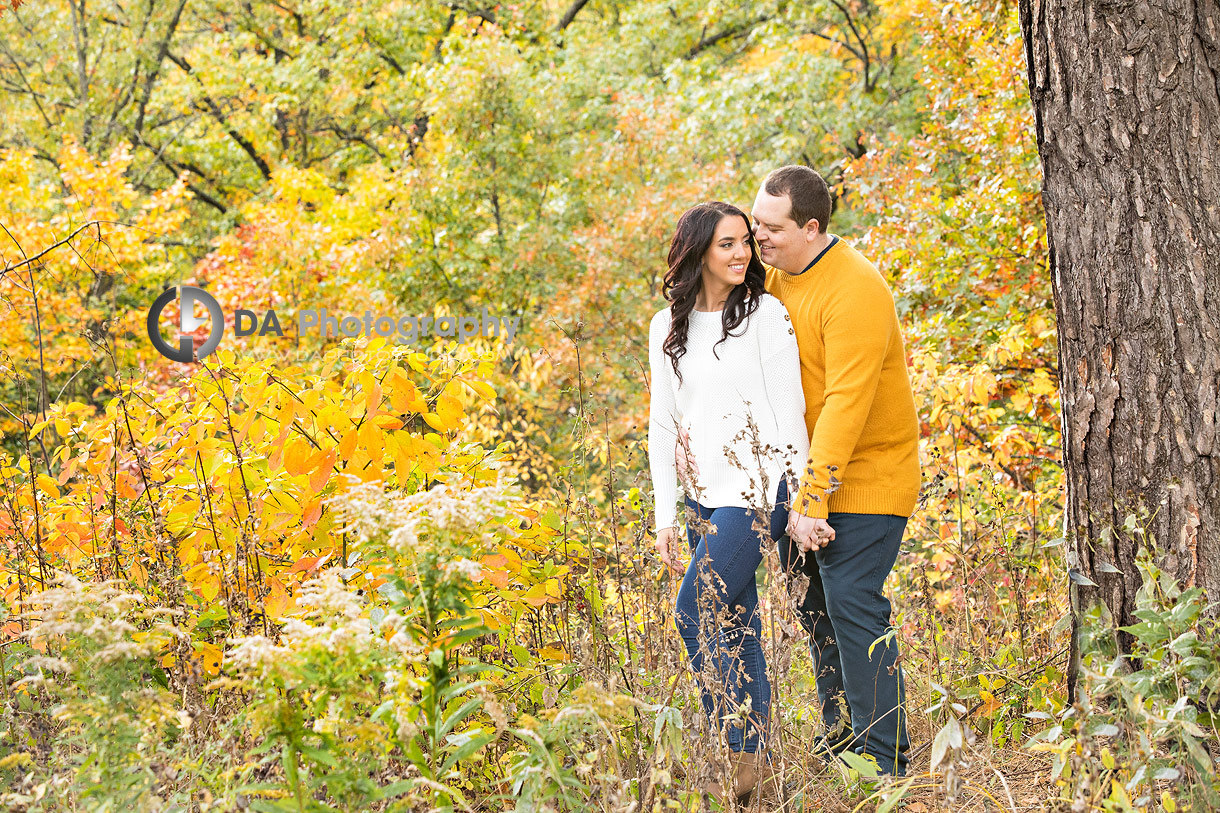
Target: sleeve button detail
{"points": [[787, 318], [791, 331]]}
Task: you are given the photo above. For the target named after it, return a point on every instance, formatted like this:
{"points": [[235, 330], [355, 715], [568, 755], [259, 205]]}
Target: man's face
{"points": [[783, 243]]}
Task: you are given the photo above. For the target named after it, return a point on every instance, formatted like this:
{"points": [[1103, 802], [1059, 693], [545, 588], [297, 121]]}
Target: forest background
{"points": [[310, 574]]}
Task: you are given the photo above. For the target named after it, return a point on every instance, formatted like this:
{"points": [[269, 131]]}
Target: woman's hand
{"points": [[809, 533], [667, 548]]}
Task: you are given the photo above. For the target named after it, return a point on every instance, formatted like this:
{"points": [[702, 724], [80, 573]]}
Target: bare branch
{"points": [[570, 14], [732, 32], [864, 55], [214, 110]]}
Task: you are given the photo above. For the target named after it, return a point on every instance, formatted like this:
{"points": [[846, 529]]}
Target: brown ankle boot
{"points": [[743, 775], [770, 784]]}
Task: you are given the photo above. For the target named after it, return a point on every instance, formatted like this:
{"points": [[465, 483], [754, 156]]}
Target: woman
{"points": [[726, 378]]}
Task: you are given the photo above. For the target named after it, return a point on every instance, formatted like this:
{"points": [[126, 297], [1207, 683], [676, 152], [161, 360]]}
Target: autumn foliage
{"points": [[310, 573]]}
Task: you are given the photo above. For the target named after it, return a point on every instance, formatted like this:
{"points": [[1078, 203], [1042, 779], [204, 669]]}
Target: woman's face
{"points": [[725, 261]]}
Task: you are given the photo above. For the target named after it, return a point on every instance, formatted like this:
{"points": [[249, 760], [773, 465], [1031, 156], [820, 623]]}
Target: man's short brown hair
{"points": [[806, 189]]}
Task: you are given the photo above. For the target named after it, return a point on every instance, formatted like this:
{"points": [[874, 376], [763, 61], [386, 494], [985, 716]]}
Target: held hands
{"points": [[809, 533], [667, 548]]}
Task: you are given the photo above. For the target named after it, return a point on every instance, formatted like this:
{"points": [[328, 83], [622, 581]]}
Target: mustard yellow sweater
{"points": [[859, 409]]}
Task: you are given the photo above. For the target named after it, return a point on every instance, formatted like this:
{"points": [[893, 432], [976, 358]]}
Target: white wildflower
{"points": [[257, 655], [372, 513], [51, 664], [464, 567]]}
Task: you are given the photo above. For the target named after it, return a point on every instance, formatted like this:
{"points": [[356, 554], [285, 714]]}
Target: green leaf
{"points": [[465, 749], [895, 797], [1080, 579], [319, 755], [865, 766], [394, 789], [461, 714]]}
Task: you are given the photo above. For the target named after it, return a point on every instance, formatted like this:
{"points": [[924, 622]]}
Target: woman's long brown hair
{"points": [[694, 234]]}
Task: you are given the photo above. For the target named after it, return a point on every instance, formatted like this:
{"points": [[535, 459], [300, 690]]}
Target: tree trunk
{"points": [[1126, 98]]}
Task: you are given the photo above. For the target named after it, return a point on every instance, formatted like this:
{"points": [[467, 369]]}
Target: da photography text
{"points": [[310, 321]]}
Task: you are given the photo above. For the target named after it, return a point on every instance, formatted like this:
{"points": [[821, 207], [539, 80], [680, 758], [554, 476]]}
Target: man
{"points": [[861, 482]]}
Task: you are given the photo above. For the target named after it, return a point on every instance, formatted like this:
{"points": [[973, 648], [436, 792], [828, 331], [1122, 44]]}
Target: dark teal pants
{"points": [[844, 612]]}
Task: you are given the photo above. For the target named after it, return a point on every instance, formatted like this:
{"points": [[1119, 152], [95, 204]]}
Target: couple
{"points": [[768, 382]]}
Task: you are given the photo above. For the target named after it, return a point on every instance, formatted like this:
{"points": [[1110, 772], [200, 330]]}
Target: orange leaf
{"points": [[321, 475], [123, 485], [308, 564], [313, 512], [494, 560]]}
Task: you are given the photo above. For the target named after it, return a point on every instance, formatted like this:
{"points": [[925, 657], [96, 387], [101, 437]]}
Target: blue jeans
{"points": [[720, 578], [844, 612]]}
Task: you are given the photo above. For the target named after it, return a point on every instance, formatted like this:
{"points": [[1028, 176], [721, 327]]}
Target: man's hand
{"points": [[809, 533], [667, 548], [688, 470]]}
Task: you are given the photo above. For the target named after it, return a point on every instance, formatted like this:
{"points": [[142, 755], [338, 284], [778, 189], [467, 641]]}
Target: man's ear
{"points": [[811, 229]]}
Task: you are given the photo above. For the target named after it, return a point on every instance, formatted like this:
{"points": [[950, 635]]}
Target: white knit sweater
{"points": [[758, 373]]}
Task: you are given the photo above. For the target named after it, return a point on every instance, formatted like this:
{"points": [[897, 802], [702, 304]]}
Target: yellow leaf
{"points": [[535, 596], [347, 446], [1042, 384], [372, 394], [449, 409], [979, 389], [287, 412], [188, 554], [48, 486], [483, 389], [511, 561], [278, 601], [552, 588], [296, 457], [492, 619], [372, 441], [209, 656], [553, 653], [204, 580], [435, 421]]}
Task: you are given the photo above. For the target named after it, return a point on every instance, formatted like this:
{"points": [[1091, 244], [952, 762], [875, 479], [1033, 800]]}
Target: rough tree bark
{"points": [[1126, 96]]}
